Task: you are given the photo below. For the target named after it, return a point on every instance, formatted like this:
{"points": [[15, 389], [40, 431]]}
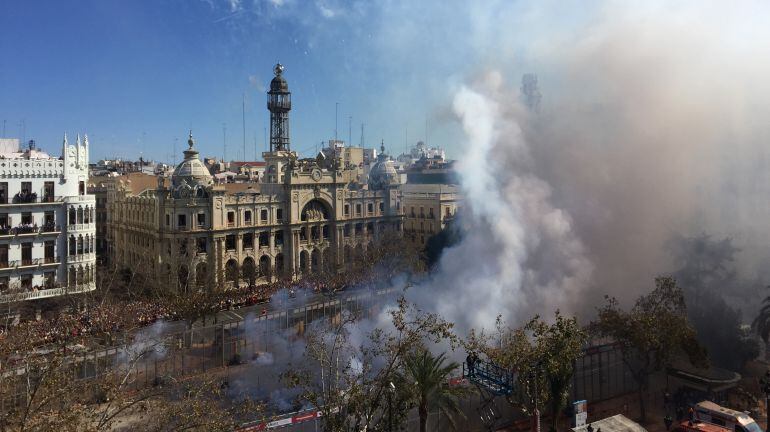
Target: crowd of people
{"points": [[103, 322]]}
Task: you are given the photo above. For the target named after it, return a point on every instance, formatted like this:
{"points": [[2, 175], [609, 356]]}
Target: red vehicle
{"points": [[687, 426]]}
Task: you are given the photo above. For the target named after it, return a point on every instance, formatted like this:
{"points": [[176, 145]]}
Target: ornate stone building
{"points": [[47, 226], [303, 216]]}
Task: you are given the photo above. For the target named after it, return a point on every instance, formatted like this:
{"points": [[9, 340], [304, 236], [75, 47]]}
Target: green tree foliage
{"points": [[652, 333], [428, 377], [543, 355]]}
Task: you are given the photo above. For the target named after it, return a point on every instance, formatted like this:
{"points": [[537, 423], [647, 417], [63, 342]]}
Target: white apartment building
{"points": [[47, 222]]}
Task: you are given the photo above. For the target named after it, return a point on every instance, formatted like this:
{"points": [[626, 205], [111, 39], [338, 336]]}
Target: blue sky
{"points": [[136, 75]]}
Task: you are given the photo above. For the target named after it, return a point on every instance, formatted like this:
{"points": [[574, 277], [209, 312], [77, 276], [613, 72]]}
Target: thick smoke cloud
{"points": [[652, 125]]}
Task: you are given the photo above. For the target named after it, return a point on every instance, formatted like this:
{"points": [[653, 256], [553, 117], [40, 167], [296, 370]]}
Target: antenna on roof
{"points": [[243, 105], [362, 135]]}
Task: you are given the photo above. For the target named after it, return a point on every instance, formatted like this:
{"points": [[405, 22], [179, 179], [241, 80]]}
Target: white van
{"points": [[709, 412]]}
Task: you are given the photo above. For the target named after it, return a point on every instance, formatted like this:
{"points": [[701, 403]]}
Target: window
{"points": [[412, 212], [49, 220], [347, 209], [26, 281], [26, 218], [3, 283], [264, 239], [447, 212], [422, 211], [48, 191], [49, 251], [279, 238], [359, 229], [279, 215], [181, 221], [82, 187], [430, 213], [230, 218], [263, 215], [4, 221], [26, 253], [382, 207], [182, 247], [325, 231], [358, 209], [4, 256], [230, 242], [346, 231], [201, 220], [369, 208], [26, 188], [248, 241], [168, 220], [247, 217], [4, 193], [200, 245], [50, 279]]}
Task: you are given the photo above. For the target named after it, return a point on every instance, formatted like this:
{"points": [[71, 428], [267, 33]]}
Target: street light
{"points": [[391, 392], [765, 381]]}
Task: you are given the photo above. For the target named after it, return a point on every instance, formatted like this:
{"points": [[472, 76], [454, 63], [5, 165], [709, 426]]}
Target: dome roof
{"points": [[279, 84], [383, 173], [191, 170]]}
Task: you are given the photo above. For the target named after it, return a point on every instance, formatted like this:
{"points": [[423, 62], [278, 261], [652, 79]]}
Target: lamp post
{"points": [[765, 381], [391, 391]]}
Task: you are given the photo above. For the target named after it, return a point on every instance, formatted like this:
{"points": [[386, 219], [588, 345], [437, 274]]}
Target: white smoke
{"points": [[519, 256]]}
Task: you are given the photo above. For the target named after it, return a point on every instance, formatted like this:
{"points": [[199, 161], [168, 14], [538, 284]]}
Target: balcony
{"points": [[50, 228], [81, 227], [25, 197], [86, 257], [26, 229], [44, 293]]}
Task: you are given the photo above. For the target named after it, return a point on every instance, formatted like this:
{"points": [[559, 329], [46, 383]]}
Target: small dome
{"points": [[191, 171], [279, 84], [383, 173]]}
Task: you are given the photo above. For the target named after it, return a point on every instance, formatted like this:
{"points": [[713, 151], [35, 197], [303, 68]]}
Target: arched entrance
{"points": [[315, 261], [182, 275], [328, 261], [264, 266], [279, 264], [201, 274], [231, 271], [249, 270], [304, 261]]}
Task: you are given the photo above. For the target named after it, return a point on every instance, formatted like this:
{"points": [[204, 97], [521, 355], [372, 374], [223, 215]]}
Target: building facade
{"points": [[47, 223], [428, 208], [303, 216]]}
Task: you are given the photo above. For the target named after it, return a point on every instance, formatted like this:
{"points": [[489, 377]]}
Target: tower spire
{"points": [[279, 104]]}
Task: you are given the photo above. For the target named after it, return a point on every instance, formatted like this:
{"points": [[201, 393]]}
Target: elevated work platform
{"points": [[490, 377]]}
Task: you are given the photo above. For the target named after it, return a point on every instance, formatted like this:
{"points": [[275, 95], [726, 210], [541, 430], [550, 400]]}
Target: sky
{"points": [[136, 76]]}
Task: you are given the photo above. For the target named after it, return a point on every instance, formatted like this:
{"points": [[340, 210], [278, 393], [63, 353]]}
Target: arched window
{"points": [[80, 215], [73, 245], [80, 244], [72, 218], [231, 270]]}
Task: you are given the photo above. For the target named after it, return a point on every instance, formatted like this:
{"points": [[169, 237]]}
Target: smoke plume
{"points": [[652, 124]]}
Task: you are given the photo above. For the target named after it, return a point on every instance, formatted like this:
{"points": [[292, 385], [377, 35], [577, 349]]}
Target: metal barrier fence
{"points": [[175, 355]]}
